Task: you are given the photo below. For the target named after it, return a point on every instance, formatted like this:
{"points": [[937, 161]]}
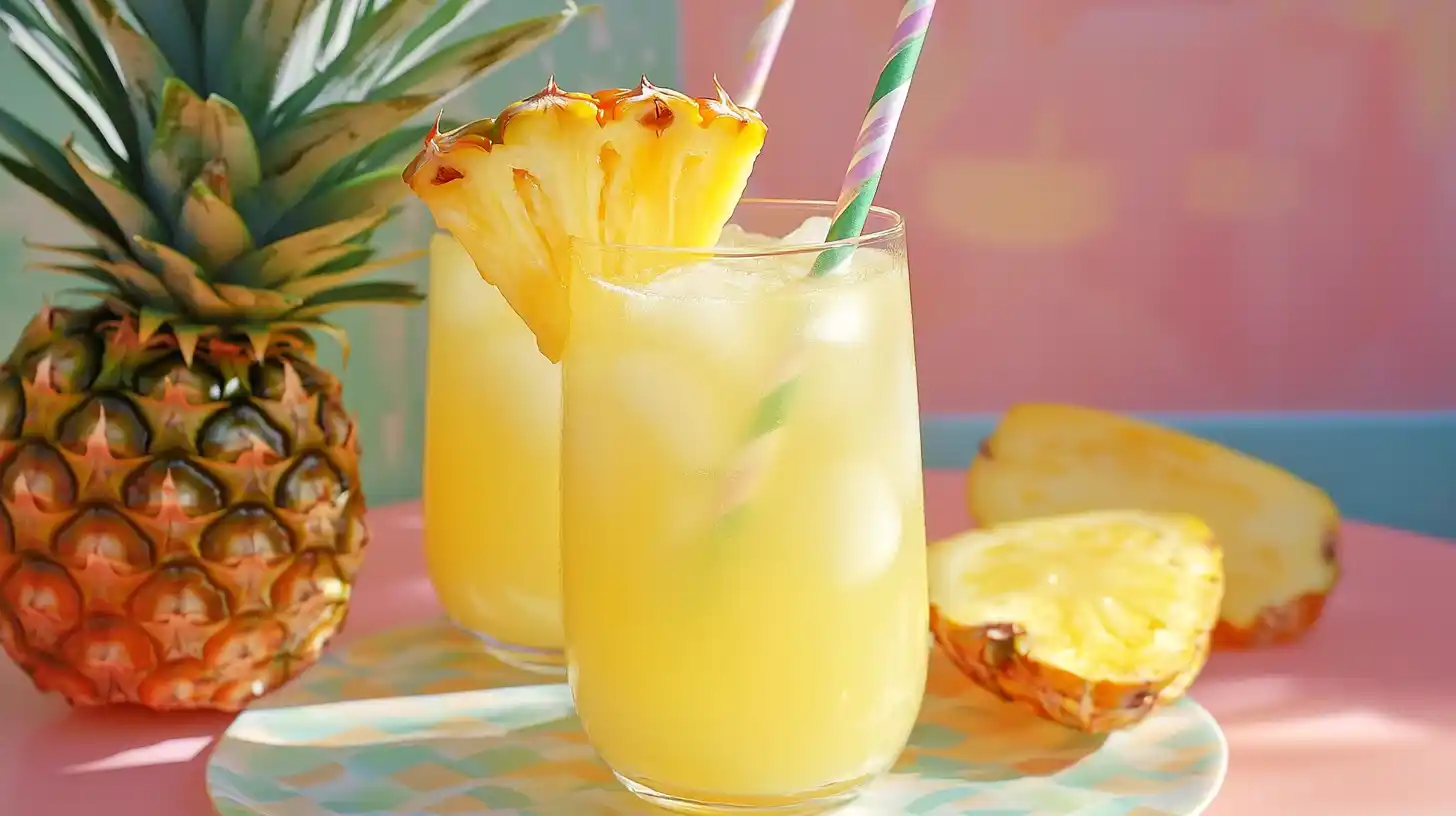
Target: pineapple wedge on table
{"points": [[1091, 620], [645, 165], [182, 517], [1278, 533]]}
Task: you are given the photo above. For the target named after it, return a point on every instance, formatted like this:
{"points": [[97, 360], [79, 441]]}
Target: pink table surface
{"points": [[1360, 718]]}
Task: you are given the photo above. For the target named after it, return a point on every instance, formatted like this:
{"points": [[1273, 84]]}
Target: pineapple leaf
{"points": [[427, 36], [397, 293], [89, 293], [187, 335], [259, 337], [183, 280], [210, 231], [86, 110], [128, 211], [377, 191], [337, 130], [279, 268], [299, 254], [262, 304], [140, 280], [144, 68], [54, 164], [318, 42], [220, 24], [339, 21], [59, 66], [358, 255], [92, 273], [297, 157], [80, 253], [180, 145], [370, 51], [256, 61], [233, 143], [150, 320], [128, 279], [99, 224], [398, 148], [321, 326], [450, 69], [196, 14], [170, 27], [94, 61], [71, 23], [311, 285]]}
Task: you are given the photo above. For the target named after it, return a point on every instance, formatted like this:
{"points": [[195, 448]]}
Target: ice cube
{"points": [[813, 231], [674, 407], [846, 312], [706, 280], [856, 510], [736, 237]]}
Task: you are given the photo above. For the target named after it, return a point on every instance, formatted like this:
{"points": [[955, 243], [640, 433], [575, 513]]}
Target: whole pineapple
{"points": [[182, 517]]}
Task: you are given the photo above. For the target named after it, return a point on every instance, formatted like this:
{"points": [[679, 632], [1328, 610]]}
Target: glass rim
{"points": [[895, 229]]}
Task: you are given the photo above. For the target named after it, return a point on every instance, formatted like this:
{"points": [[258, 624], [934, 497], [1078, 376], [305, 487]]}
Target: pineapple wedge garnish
{"points": [[640, 166], [1090, 620], [1278, 532]]}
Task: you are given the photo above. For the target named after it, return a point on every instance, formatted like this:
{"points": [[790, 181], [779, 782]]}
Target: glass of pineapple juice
{"points": [[744, 575], [492, 464]]}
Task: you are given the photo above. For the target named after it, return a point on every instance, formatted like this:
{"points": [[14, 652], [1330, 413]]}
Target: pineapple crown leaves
{"points": [[246, 151]]}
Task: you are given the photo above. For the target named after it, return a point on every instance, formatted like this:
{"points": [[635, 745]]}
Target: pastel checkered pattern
{"points": [[418, 720]]}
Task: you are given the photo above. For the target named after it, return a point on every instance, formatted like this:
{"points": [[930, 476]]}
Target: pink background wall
{"points": [[1150, 204]]}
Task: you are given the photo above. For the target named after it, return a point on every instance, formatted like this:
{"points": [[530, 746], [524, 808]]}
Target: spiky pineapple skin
{"points": [[174, 534]]}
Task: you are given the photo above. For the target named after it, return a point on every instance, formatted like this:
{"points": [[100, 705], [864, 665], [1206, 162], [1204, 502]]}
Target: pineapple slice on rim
{"points": [[1091, 620], [640, 166], [1279, 533]]}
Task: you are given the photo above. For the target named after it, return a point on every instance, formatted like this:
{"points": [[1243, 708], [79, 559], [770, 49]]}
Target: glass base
{"points": [[820, 800], [527, 658]]}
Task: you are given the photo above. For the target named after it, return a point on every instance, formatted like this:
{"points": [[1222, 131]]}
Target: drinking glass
{"points": [[743, 536], [492, 465]]}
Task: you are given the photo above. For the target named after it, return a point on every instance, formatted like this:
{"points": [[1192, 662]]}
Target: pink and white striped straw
{"points": [[762, 49]]}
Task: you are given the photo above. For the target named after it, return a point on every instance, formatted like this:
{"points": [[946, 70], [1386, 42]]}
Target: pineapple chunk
{"points": [[1277, 531], [642, 166], [1091, 620]]}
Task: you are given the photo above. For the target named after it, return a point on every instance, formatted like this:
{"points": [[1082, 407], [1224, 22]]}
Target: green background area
{"points": [[385, 378]]}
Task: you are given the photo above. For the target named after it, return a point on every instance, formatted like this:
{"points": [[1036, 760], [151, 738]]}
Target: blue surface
{"points": [[1396, 468]]}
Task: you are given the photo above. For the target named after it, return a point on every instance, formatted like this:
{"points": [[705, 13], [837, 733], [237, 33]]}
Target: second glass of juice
{"points": [[492, 465], [743, 539]]}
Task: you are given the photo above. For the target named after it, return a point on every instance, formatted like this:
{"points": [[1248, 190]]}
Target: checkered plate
{"points": [[417, 720]]}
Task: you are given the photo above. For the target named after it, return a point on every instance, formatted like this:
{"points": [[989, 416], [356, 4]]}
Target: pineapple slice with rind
{"points": [[1278, 532], [641, 166], [1090, 620]]}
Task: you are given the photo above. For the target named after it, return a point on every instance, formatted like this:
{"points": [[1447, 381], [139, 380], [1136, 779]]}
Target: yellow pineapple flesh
{"points": [[1278, 532], [1090, 620], [641, 166]]}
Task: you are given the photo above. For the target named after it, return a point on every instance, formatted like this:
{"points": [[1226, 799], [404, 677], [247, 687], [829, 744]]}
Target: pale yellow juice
{"points": [[492, 464], [757, 656]]}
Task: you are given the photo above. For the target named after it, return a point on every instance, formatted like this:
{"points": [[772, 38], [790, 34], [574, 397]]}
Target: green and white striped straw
{"points": [[877, 133], [870, 151]]}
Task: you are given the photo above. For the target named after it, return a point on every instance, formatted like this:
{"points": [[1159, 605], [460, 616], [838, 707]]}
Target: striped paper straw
{"points": [[860, 183], [877, 132], [761, 50]]}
